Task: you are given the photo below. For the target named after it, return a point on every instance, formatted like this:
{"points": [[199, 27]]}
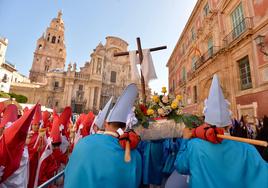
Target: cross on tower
{"points": [[139, 51]]}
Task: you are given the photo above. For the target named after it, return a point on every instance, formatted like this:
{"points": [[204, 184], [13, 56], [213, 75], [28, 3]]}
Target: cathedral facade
{"points": [[88, 88]]}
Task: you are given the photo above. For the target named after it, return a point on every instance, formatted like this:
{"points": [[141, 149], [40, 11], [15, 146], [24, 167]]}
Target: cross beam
{"points": [[139, 51]]}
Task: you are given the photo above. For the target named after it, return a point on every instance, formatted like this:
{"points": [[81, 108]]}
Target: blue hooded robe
{"points": [[98, 162], [152, 161], [230, 164]]}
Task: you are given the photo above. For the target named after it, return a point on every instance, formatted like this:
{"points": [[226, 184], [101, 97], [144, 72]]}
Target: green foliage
{"points": [[4, 95], [19, 98], [191, 121]]}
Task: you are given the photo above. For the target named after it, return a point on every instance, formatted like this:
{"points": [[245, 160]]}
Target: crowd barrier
{"points": [[52, 180]]}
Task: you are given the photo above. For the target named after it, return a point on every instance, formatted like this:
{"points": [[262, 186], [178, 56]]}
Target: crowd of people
{"points": [[35, 146], [257, 129]]}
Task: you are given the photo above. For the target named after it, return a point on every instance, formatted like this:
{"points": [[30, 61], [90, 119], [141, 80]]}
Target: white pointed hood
{"points": [[216, 109], [124, 104], [100, 118]]}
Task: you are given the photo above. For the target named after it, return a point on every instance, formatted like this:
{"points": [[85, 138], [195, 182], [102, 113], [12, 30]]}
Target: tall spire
{"points": [[59, 14]]}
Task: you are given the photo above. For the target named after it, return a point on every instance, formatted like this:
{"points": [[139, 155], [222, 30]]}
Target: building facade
{"points": [[220, 37], [3, 49], [8, 72], [84, 89]]}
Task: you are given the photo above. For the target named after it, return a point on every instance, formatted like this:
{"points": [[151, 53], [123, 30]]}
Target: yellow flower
{"points": [[174, 105], [164, 90], [150, 112], [155, 98], [179, 97]]}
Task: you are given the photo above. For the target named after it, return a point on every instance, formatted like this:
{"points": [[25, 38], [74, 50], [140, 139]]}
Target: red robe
{"points": [[33, 157], [51, 165], [12, 144]]}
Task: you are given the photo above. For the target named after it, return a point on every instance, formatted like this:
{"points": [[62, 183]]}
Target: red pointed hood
{"points": [[46, 115], [79, 120], [26, 109], [37, 115], [10, 115], [55, 131], [87, 122], [88, 119], [55, 113], [65, 118], [12, 143]]}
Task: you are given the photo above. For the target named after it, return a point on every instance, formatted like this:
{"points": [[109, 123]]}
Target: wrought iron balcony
{"points": [[205, 57], [245, 25], [58, 89], [182, 82], [81, 75]]}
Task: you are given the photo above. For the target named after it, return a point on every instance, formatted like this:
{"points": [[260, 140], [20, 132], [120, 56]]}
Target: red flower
{"points": [[143, 109]]}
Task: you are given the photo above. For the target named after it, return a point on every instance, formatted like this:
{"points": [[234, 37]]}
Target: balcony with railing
{"points": [[81, 75], [206, 56], [58, 89], [243, 27], [182, 82], [212, 52]]}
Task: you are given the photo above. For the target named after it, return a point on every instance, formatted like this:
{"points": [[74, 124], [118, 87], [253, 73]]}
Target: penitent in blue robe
{"points": [[98, 162], [152, 161], [229, 164]]}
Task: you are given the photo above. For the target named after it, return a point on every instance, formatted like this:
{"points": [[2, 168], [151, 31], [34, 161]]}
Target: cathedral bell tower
{"points": [[50, 52]]}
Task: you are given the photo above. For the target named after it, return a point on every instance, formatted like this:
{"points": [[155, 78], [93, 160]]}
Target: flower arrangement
{"points": [[164, 106]]}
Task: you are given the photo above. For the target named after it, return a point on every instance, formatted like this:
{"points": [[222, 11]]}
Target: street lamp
{"points": [[260, 43]]}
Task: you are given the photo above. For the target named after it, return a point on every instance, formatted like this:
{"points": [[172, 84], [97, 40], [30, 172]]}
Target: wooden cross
{"points": [[139, 51]]}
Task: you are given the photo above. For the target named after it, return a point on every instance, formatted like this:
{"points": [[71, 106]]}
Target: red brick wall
{"points": [[261, 98]]}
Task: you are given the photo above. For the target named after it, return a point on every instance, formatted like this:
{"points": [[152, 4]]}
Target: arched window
{"points": [[59, 39], [40, 46], [46, 68], [5, 78], [53, 39], [48, 38], [113, 77]]}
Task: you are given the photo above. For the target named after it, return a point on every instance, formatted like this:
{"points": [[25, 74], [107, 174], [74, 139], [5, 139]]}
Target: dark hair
{"points": [[57, 144], [117, 124]]}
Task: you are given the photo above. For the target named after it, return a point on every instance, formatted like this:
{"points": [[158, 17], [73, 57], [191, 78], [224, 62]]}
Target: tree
{"points": [[4, 95], [19, 98]]}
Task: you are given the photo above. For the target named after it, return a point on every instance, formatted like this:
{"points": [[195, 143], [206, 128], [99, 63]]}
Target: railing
{"points": [[52, 180], [80, 75], [182, 82], [212, 52], [58, 89], [206, 56], [242, 27]]}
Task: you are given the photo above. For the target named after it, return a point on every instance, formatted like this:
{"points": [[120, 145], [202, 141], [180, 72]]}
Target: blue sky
{"points": [[88, 22]]}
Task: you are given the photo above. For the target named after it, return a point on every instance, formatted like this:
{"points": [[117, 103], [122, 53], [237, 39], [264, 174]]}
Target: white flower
{"points": [[165, 99], [161, 112]]}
